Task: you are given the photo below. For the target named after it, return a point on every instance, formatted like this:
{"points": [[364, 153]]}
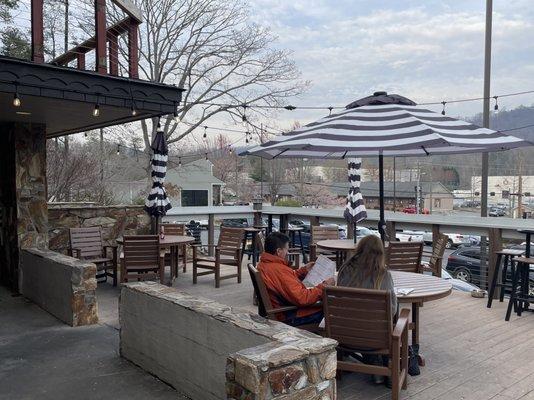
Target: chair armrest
{"points": [[402, 323], [293, 308], [73, 252]]}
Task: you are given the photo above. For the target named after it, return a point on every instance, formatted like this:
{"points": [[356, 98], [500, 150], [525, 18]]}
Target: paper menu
{"points": [[403, 291], [323, 269]]}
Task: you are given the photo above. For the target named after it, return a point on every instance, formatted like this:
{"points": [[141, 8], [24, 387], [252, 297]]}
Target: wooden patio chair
{"points": [[87, 244], [265, 307], [177, 230], [404, 256], [228, 252], [361, 322], [435, 256], [319, 233], [142, 259]]}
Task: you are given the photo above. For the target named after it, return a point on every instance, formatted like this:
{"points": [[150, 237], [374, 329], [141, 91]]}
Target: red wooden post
{"points": [[113, 54], [133, 49], [37, 31], [80, 58], [100, 29]]}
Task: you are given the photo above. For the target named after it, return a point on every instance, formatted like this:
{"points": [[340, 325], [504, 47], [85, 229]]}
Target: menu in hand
{"points": [[323, 269]]}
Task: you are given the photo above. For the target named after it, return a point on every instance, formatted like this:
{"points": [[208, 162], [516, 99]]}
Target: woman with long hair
{"points": [[366, 269]]}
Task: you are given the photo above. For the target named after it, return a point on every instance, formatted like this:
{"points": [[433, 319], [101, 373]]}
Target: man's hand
{"points": [[329, 282], [309, 266]]}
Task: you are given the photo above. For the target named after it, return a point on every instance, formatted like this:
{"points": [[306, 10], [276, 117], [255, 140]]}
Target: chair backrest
{"points": [[88, 241], [141, 252], [174, 229], [438, 249], [319, 232], [230, 240], [260, 241], [404, 256], [358, 318], [264, 301]]}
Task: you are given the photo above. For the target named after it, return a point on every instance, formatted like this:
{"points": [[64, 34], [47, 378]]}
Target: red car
{"points": [[413, 210]]}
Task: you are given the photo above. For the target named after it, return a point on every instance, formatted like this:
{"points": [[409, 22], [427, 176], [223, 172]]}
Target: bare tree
{"points": [[223, 61]]}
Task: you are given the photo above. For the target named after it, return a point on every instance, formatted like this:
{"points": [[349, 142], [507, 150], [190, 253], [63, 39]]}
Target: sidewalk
{"points": [[40, 357]]}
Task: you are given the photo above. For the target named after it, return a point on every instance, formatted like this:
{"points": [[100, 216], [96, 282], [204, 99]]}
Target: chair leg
{"points": [[194, 272], [184, 255], [512, 300], [494, 279], [217, 275], [504, 276], [114, 275], [395, 373], [238, 271]]}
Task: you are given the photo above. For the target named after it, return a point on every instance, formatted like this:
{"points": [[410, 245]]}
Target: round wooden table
{"points": [[172, 243], [291, 232], [425, 288], [342, 248]]}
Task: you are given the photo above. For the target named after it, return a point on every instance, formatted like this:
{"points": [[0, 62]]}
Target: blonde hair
{"points": [[368, 261]]}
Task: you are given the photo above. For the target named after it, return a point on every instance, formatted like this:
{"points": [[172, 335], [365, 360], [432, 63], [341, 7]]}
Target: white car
{"points": [[409, 236], [455, 239]]}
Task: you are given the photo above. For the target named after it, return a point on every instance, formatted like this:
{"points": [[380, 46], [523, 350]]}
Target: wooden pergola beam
{"points": [[37, 31], [100, 33]]}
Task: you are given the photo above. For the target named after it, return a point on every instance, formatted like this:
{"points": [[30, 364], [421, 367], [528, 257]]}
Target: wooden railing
{"points": [[104, 35], [496, 230]]}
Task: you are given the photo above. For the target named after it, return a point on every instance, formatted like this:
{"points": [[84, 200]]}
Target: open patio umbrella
{"points": [[384, 125], [157, 204]]}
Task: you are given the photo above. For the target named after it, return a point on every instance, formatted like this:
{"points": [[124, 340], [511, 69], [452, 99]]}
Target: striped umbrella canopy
{"points": [[384, 125], [157, 204]]}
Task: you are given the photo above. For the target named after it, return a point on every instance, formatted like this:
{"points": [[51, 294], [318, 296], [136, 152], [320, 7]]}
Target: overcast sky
{"points": [[427, 50]]}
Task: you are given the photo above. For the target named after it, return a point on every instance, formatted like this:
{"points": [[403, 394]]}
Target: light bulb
{"points": [[96, 111], [134, 112], [16, 100]]}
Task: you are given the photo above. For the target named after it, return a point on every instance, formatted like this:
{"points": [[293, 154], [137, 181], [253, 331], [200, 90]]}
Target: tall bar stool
{"points": [[295, 249], [505, 263], [520, 297]]}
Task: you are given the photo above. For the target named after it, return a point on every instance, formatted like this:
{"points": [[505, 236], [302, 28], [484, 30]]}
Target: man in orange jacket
{"points": [[285, 286]]}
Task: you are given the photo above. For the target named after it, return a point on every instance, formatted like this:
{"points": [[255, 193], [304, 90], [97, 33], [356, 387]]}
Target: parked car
{"points": [[409, 236], [413, 210], [496, 212], [458, 284], [455, 239], [464, 264], [235, 222], [362, 231]]}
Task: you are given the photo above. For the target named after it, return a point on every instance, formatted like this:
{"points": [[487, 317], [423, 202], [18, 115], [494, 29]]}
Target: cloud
{"points": [[424, 52]]}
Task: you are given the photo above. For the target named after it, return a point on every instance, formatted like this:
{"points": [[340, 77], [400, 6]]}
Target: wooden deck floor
{"points": [[470, 351]]}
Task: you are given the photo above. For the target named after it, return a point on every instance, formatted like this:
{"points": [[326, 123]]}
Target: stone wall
{"points": [[208, 350], [23, 209], [115, 221], [62, 285]]}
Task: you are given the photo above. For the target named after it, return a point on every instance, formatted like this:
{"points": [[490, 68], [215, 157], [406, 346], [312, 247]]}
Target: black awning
{"points": [[64, 98]]}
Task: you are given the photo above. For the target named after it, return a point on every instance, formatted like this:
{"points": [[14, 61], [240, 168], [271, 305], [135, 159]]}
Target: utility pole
{"points": [[486, 109], [485, 156], [520, 186], [261, 164]]}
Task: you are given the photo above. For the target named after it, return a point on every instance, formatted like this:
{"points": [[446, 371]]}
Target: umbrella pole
{"points": [[381, 222]]}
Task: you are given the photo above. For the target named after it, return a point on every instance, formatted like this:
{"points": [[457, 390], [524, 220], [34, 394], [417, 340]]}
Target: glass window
{"points": [[194, 198]]}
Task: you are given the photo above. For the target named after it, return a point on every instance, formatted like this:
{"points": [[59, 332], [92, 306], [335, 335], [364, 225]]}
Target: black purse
{"points": [[413, 363]]}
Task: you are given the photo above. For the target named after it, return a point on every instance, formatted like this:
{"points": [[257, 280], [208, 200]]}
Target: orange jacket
{"points": [[285, 286]]}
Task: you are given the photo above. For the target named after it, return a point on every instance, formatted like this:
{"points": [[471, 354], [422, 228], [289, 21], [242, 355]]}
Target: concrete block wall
{"points": [[62, 285], [207, 350]]}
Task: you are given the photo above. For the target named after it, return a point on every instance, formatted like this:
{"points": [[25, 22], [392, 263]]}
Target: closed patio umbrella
{"points": [[355, 209], [384, 125], [157, 204]]}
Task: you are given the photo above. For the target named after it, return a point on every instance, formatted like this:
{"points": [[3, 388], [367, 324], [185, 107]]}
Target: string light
{"points": [[330, 110], [496, 107], [179, 161], [206, 156], [289, 107], [118, 149], [96, 110], [85, 134], [246, 137], [205, 134], [16, 98], [443, 111], [134, 111]]}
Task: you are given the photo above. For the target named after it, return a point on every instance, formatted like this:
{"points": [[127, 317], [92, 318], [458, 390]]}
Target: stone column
{"points": [[22, 194]]}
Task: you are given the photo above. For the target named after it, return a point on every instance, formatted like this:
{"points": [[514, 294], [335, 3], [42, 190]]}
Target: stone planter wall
{"points": [[208, 350], [62, 285], [115, 221]]}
